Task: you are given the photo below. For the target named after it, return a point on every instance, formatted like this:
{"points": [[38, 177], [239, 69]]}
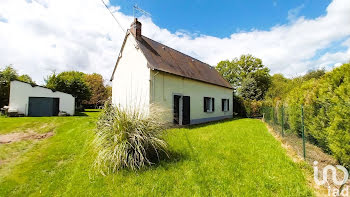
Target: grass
{"points": [[236, 158]]}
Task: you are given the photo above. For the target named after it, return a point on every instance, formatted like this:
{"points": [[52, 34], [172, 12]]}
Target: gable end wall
{"points": [[131, 80]]}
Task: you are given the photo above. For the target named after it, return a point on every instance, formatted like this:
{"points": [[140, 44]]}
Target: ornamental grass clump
{"points": [[128, 138]]}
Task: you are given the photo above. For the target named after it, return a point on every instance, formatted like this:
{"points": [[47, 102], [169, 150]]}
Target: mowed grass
{"points": [[231, 158]]}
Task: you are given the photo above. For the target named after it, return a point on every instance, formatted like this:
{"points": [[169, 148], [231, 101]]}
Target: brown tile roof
{"points": [[166, 59]]}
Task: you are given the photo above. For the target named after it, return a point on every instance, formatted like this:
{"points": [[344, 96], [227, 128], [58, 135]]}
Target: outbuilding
{"points": [[32, 100]]}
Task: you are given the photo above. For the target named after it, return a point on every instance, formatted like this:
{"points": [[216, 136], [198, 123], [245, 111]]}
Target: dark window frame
{"points": [[223, 105], [211, 101]]}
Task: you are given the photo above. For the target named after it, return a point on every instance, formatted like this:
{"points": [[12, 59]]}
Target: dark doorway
{"points": [[43, 106], [186, 110], [56, 106], [176, 109], [182, 110]]}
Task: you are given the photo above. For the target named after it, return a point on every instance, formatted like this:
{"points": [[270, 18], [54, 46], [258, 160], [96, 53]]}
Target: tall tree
{"points": [[314, 74], [98, 90], [71, 82], [280, 86], [6, 76], [25, 78], [247, 66], [249, 89]]}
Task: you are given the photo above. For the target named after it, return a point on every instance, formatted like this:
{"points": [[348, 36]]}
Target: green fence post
{"points": [[282, 120], [302, 129]]}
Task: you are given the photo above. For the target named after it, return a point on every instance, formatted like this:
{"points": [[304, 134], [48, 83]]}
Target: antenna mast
{"points": [[136, 8]]}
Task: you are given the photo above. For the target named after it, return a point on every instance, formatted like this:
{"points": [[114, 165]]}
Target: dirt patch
{"points": [[31, 135]]}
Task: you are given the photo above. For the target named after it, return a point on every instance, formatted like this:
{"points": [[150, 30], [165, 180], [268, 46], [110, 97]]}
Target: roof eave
{"points": [[120, 54], [153, 68]]}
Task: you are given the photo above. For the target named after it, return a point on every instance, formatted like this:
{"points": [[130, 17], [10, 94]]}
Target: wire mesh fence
{"points": [[290, 124]]}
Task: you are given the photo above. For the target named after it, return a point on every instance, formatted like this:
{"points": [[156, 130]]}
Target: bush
{"points": [[253, 108], [335, 97], [238, 107], [128, 138], [326, 112]]}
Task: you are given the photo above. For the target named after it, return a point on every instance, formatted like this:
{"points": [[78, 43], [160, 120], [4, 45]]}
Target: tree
{"points": [[26, 78], [109, 91], [250, 90], [71, 82], [314, 74], [280, 86], [7, 75], [99, 92], [247, 66], [230, 71]]}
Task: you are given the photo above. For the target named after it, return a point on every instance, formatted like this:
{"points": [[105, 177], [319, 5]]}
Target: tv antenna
{"points": [[137, 8]]}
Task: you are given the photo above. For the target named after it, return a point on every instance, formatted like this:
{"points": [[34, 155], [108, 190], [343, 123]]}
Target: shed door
{"points": [[43, 106]]}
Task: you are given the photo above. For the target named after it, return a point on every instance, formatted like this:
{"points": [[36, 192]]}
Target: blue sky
{"points": [[39, 37], [222, 18]]}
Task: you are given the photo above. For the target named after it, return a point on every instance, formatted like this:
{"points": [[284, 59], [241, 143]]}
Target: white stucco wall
{"points": [[20, 93], [131, 85], [166, 85]]}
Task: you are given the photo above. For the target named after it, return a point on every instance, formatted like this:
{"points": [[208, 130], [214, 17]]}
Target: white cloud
{"points": [[293, 14], [40, 36]]}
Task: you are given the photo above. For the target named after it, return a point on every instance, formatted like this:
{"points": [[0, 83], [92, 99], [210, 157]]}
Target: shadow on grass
{"points": [[165, 161], [211, 123], [80, 114]]}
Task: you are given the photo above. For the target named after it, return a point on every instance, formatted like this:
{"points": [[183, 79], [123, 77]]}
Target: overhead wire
{"points": [[121, 27]]}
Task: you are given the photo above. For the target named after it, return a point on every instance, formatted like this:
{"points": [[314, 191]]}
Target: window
{"points": [[225, 104], [209, 104]]}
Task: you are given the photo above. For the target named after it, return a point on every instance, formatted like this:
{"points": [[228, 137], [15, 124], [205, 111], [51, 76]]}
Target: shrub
{"points": [[326, 112], [238, 106], [253, 108], [128, 138], [335, 96]]}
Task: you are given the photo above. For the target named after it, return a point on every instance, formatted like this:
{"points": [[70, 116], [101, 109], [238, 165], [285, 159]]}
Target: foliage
{"points": [[221, 159], [230, 71], [253, 108], [238, 107], [334, 95], [25, 78], [71, 82], [314, 74], [326, 102], [6, 76], [109, 91], [249, 89], [247, 66], [280, 86], [127, 138], [99, 93]]}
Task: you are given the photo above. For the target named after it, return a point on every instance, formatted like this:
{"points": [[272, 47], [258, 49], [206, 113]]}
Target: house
{"points": [[148, 72], [32, 100]]}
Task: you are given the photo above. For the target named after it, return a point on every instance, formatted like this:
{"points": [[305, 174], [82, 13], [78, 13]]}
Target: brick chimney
{"points": [[135, 29]]}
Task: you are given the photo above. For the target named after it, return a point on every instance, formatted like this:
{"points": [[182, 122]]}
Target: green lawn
{"points": [[237, 157]]}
